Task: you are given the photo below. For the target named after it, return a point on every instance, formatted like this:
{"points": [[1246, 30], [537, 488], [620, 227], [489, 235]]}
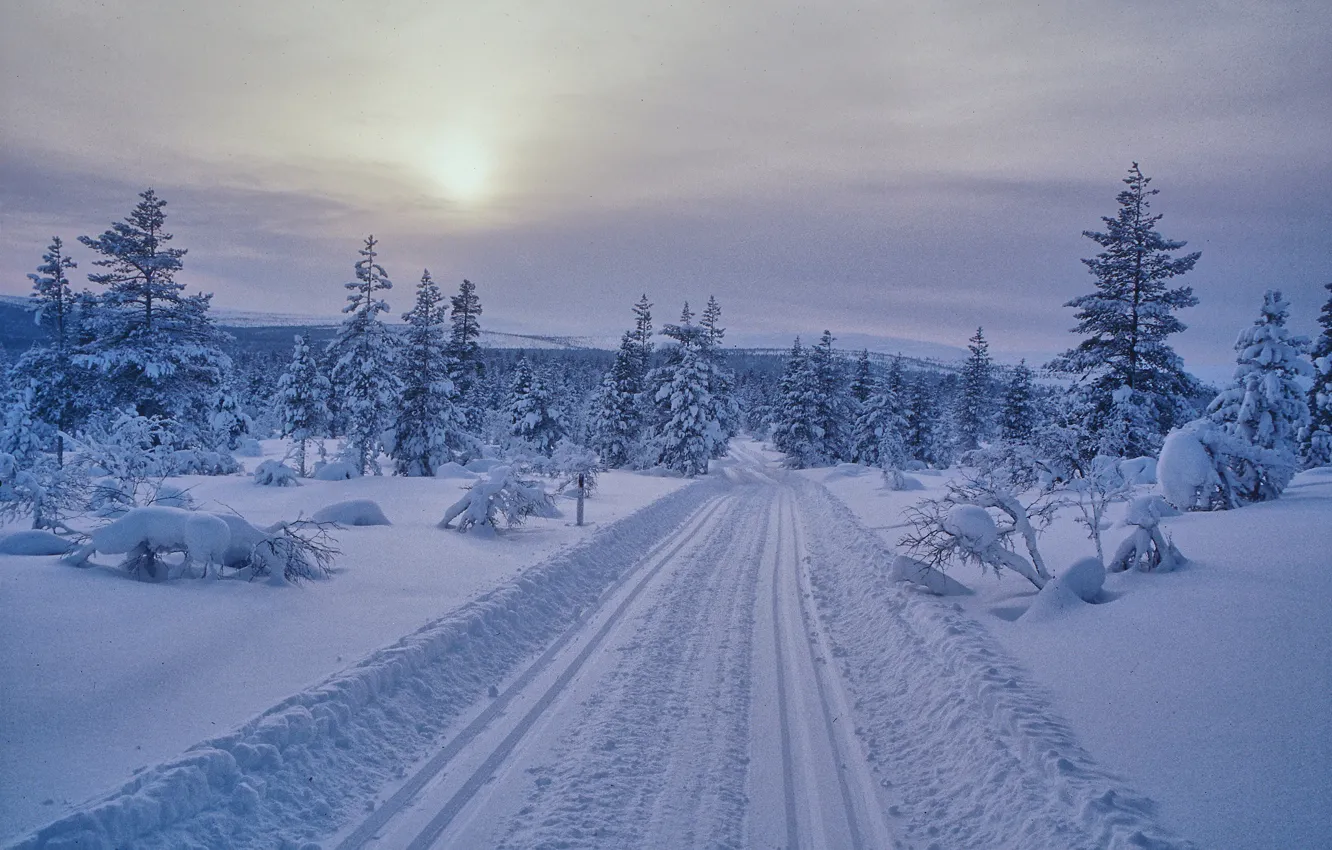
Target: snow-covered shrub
{"points": [[1074, 588], [920, 573], [961, 526], [566, 463], [1103, 484], [249, 447], [453, 469], [143, 535], [40, 489], [1205, 468], [501, 495], [271, 473], [285, 552], [1145, 548], [354, 512], [1138, 470], [202, 462]]}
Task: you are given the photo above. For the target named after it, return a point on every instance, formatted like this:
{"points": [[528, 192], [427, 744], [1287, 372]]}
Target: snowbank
{"points": [[34, 543], [354, 512]]}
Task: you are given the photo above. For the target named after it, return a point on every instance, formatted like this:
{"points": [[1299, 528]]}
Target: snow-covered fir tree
{"points": [[156, 348], [1266, 405], [863, 383], [813, 421], [48, 372], [301, 402], [642, 335], [972, 411], [364, 358], [686, 434], [227, 423], [465, 349], [1316, 440], [1127, 322], [1017, 418], [721, 383], [792, 419], [878, 437], [920, 411], [533, 414], [431, 428], [617, 422]]}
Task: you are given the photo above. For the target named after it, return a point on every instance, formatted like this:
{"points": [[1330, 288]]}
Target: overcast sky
{"points": [[910, 169]]}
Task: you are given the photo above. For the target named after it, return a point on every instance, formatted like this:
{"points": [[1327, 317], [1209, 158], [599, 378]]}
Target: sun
{"points": [[462, 168]]}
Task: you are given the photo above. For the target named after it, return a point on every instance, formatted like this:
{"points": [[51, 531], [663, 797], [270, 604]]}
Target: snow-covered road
{"points": [[726, 668], [694, 708]]}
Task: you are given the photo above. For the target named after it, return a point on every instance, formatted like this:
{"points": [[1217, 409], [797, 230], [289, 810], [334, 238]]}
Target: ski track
{"points": [[300, 771], [968, 750], [726, 668]]}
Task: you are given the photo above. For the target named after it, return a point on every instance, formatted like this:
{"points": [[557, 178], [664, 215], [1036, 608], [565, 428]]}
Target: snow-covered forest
{"points": [[140, 440]]}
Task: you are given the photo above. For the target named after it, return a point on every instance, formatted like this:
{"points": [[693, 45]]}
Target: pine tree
{"points": [[157, 347], [721, 383], [973, 404], [1316, 440], [919, 412], [687, 435], [617, 419], [301, 401], [831, 412], [1129, 318], [880, 427], [363, 355], [1017, 421], [431, 428], [533, 415], [464, 346], [49, 371], [1266, 405], [642, 335], [811, 426], [863, 384]]}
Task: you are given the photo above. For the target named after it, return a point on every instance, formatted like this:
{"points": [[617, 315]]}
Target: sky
{"points": [[894, 169]]}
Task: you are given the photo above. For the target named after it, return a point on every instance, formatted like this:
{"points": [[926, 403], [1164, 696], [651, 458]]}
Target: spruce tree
{"points": [[364, 356], [919, 411], [642, 335], [431, 428], [1316, 440], [533, 416], [49, 371], [1266, 406], [790, 424], [973, 404], [156, 346], [301, 402], [863, 384], [1128, 319], [721, 383], [464, 346], [1017, 420], [616, 421], [880, 427], [831, 410], [686, 435]]}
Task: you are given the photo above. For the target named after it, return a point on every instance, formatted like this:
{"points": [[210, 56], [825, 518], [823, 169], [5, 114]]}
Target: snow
{"points": [[355, 512], [1205, 688], [1184, 470], [34, 543], [106, 676], [337, 471]]}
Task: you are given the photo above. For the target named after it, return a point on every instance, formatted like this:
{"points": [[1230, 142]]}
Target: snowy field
{"points": [[622, 684], [1209, 688], [106, 676]]}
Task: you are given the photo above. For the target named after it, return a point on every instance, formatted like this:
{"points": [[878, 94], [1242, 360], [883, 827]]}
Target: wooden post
{"points": [[580, 498]]}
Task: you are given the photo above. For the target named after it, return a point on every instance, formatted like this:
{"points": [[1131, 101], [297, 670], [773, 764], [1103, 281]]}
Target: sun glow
{"points": [[463, 170]]}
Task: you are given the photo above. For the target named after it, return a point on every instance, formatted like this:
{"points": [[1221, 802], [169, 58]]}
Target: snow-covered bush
{"points": [[1103, 484], [565, 464], [272, 473], [355, 512], [285, 552], [143, 535], [962, 526], [336, 471], [501, 495], [1203, 467], [453, 469], [202, 462], [1145, 548], [34, 542]]}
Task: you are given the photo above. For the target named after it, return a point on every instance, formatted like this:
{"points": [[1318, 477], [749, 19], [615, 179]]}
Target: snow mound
{"points": [[846, 470], [972, 526], [455, 470], [482, 465], [302, 768], [249, 447], [920, 573], [1138, 470], [271, 473], [337, 471], [202, 537], [352, 512], [1079, 585], [1185, 469], [34, 543]]}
